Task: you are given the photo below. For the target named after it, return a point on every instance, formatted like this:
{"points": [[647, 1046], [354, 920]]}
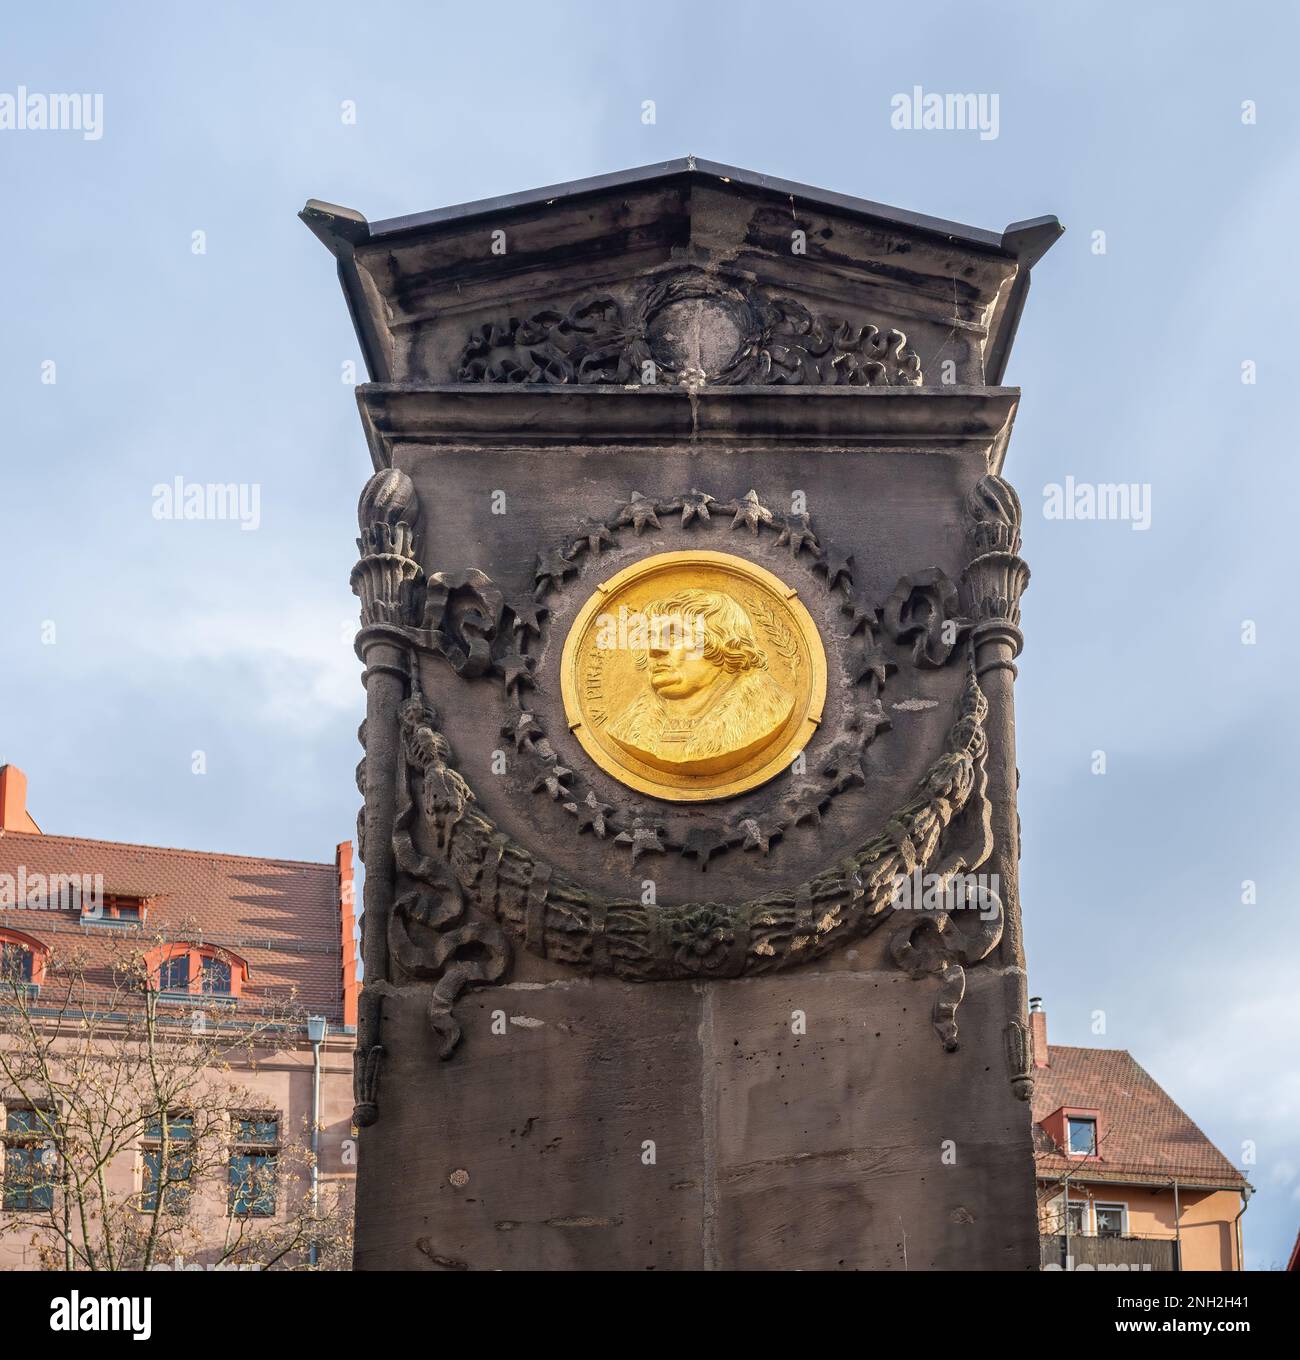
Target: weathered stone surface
{"points": [[832, 1146], [548, 1120], [773, 1151]]}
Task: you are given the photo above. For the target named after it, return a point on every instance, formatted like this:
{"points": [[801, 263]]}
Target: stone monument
{"points": [[690, 597]]}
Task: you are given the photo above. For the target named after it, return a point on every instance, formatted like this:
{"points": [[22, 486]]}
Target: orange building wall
{"points": [[1206, 1231]]}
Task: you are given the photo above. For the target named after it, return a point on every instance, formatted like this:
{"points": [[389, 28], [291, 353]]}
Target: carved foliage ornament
{"points": [[384, 578], [462, 612], [997, 575], [922, 611], [690, 328]]}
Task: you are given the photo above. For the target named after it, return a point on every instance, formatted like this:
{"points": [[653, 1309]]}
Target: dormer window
{"points": [[189, 970], [114, 909], [1076, 1131]]}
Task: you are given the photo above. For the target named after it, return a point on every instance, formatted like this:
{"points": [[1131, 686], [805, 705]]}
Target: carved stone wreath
{"points": [[467, 621], [690, 327], [636, 826]]}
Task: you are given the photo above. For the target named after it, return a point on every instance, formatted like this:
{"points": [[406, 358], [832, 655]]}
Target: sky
{"points": [[165, 315]]}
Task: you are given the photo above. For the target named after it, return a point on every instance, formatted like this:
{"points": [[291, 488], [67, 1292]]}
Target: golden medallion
{"points": [[693, 675]]}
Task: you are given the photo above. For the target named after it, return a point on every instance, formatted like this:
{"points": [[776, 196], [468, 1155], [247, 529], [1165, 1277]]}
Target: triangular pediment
{"points": [[710, 273]]}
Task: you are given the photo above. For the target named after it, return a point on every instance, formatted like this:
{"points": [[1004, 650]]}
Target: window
{"points": [[174, 974], [1111, 1219], [173, 1180], [1083, 1136], [15, 962], [22, 961], [253, 1165], [30, 1161], [216, 977]]}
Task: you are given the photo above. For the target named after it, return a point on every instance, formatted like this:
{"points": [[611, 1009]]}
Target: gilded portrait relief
{"points": [[710, 699], [693, 675]]}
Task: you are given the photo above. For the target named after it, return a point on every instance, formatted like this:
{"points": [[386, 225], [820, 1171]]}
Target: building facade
{"points": [[260, 949], [1125, 1178]]}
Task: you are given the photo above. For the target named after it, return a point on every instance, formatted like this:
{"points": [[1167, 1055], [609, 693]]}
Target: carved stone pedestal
{"points": [[690, 601]]}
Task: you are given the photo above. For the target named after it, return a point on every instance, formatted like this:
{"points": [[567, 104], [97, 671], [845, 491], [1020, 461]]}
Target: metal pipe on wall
{"points": [[1178, 1231], [316, 1027]]}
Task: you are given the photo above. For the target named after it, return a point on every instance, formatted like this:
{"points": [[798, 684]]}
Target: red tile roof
{"points": [[281, 916], [1144, 1138]]}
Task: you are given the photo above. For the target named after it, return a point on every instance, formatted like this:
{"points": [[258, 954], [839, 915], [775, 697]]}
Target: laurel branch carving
{"points": [[782, 640]]}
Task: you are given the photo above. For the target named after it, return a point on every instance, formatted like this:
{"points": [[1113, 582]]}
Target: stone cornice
{"points": [[932, 419]]}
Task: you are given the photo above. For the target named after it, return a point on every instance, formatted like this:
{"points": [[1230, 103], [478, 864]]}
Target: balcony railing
{"points": [[1108, 1253]]}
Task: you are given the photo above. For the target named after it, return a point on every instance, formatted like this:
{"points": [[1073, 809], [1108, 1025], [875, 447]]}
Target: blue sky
{"points": [[171, 638]]}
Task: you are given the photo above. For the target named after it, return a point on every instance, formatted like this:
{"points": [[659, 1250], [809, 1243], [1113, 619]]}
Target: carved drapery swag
{"points": [[545, 912]]}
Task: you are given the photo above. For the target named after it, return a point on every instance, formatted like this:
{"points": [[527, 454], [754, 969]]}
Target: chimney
{"points": [[13, 801], [1038, 1031]]}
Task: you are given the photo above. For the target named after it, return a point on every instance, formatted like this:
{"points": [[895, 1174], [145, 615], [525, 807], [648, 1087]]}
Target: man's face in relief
{"points": [[678, 666]]}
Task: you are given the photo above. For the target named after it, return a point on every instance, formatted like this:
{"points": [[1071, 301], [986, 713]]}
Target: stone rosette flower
{"points": [[701, 938]]}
